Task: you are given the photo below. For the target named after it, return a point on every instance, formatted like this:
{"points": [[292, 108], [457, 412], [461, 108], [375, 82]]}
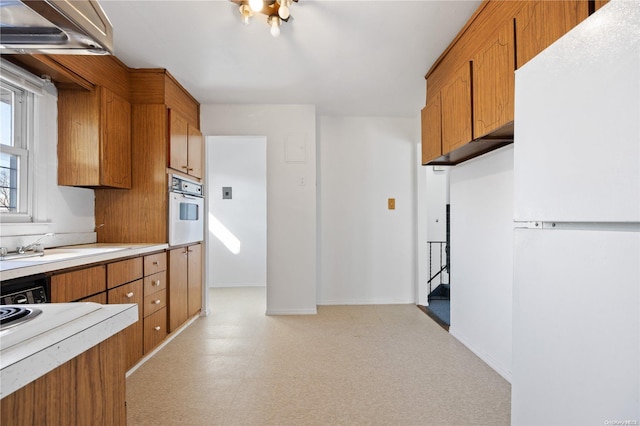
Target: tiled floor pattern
{"points": [[348, 365]]}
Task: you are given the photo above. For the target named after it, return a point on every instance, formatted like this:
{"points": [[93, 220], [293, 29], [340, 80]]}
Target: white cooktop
{"points": [[53, 316]]}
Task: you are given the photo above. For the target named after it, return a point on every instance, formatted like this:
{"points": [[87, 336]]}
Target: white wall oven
{"points": [[186, 211]]}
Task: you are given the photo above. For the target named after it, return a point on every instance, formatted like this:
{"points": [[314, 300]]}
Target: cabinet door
{"points": [[456, 109], [178, 135], [130, 293], [195, 279], [76, 285], [178, 288], [431, 130], [94, 139], [115, 147], [78, 137], [493, 83], [195, 152], [541, 22]]}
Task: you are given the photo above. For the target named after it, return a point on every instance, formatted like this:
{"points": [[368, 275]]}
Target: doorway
{"points": [[236, 197]]}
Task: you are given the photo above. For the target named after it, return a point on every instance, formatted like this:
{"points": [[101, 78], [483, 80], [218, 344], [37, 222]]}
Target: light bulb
{"points": [[274, 21], [246, 13], [256, 5], [283, 11]]}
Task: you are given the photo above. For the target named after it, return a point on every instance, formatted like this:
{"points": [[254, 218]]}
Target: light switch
{"points": [[391, 203], [226, 192]]}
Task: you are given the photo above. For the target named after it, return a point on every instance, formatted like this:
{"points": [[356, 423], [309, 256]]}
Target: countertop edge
{"points": [[103, 324], [132, 250]]}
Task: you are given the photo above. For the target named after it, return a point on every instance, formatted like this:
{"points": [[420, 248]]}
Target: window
{"points": [[14, 155], [21, 108]]}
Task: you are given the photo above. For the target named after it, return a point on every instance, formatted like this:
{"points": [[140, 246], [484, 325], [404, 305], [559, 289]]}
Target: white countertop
{"points": [[84, 326], [72, 256]]}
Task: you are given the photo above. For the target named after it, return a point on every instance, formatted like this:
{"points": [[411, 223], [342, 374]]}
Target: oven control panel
{"points": [[27, 290], [28, 296]]}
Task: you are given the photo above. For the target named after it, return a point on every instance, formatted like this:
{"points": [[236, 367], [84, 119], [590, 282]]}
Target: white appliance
{"points": [[576, 298], [186, 211]]}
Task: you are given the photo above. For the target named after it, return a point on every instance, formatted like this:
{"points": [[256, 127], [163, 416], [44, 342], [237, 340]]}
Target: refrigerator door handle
{"points": [[535, 225]]}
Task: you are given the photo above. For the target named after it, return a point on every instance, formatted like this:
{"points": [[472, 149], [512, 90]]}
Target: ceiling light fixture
{"points": [[276, 12]]}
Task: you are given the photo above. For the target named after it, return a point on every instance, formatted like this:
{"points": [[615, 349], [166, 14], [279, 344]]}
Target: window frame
{"points": [[28, 87]]}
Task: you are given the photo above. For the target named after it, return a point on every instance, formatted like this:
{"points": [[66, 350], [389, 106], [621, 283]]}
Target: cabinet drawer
{"points": [[155, 329], [155, 263], [72, 286], [127, 293], [154, 283], [154, 302], [123, 272]]}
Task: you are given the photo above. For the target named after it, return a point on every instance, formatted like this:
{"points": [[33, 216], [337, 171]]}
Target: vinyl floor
{"points": [[347, 365]]}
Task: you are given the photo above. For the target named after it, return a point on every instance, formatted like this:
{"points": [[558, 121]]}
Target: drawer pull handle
{"points": [[130, 294], [155, 262], [156, 302], [157, 283], [156, 328]]}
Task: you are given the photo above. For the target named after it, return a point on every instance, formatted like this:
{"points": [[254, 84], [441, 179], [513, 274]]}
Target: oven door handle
{"points": [[190, 197]]}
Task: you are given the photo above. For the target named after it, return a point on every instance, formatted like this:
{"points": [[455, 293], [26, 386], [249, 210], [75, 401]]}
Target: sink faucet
{"points": [[34, 245]]}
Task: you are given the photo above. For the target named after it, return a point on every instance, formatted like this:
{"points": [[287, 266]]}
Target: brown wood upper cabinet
{"points": [[494, 82], [432, 129], [456, 109], [541, 22], [473, 80], [185, 146], [94, 139]]}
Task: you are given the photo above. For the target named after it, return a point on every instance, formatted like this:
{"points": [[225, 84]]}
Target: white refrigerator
{"points": [[576, 295]]}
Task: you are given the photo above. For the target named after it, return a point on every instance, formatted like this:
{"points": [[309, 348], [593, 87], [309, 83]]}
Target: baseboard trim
{"points": [[367, 302], [487, 359], [292, 311]]}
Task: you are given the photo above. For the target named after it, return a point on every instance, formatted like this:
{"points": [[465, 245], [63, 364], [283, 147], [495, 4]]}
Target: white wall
{"points": [[481, 195], [291, 194], [240, 163], [68, 212], [367, 252]]}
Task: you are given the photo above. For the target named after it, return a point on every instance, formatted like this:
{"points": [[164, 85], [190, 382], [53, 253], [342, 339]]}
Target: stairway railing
{"points": [[443, 260]]}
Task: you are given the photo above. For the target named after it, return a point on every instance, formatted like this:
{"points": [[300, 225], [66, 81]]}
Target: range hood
{"points": [[54, 27]]}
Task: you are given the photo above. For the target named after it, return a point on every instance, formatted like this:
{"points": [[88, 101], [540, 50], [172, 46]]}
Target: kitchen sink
{"points": [[56, 255]]}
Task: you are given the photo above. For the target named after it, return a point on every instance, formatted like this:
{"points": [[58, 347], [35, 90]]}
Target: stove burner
{"points": [[10, 316]]}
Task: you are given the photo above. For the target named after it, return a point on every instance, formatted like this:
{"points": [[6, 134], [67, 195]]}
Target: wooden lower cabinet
{"points": [[185, 284], [178, 287], [155, 300], [194, 294], [75, 285], [155, 329], [90, 389], [130, 293], [100, 298]]}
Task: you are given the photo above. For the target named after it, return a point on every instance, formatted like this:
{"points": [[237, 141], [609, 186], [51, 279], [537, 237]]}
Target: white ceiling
{"points": [[347, 57]]}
